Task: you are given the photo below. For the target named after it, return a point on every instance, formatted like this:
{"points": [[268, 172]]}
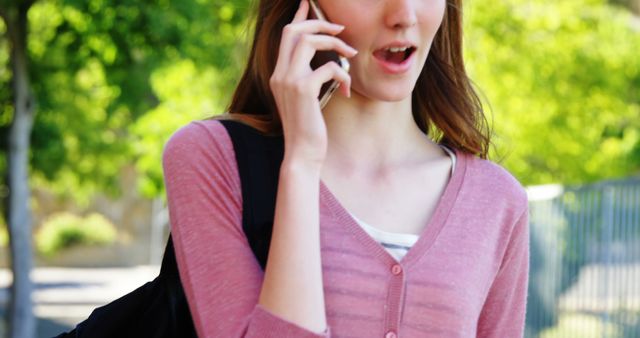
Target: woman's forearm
{"points": [[292, 286]]}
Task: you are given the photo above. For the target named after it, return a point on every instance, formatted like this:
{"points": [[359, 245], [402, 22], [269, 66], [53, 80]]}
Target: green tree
{"points": [[563, 81], [101, 67], [88, 65], [17, 211]]}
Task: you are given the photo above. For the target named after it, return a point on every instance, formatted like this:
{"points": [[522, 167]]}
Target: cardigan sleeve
{"points": [[220, 275], [503, 313]]}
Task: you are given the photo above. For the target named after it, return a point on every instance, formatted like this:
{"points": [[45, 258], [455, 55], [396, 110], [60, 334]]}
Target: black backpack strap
{"points": [[180, 322], [259, 158]]}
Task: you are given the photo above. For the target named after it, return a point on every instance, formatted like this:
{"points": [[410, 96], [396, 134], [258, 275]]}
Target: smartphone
{"points": [[323, 56]]}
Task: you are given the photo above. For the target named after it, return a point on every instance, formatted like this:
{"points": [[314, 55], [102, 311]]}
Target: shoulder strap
{"points": [[259, 158]]}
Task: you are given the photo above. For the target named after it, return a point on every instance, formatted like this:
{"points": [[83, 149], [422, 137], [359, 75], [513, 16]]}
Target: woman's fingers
{"points": [[293, 31], [303, 11], [332, 71], [309, 44], [297, 69], [300, 40]]}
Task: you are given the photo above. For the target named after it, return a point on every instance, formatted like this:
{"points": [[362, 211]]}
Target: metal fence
{"points": [[585, 261]]}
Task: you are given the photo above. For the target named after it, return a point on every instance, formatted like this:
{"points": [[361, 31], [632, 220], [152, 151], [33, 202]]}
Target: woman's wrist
{"points": [[300, 167]]}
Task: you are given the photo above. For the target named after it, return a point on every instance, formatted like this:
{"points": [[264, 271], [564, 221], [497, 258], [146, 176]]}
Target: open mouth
{"points": [[394, 54]]}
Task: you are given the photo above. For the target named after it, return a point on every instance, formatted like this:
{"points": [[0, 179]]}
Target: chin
{"points": [[392, 93]]}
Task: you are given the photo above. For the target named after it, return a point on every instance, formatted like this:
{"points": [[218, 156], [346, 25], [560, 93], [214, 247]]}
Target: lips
{"points": [[396, 58], [394, 54]]}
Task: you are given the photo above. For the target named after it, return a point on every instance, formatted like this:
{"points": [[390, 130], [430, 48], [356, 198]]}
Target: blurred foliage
{"points": [[109, 90], [4, 233], [115, 78], [563, 82], [185, 93], [65, 230]]}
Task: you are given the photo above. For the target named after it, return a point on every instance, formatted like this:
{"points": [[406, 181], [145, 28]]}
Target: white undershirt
{"points": [[397, 244]]}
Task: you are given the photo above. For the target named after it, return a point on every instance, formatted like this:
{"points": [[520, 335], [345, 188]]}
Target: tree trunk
{"points": [[21, 322]]}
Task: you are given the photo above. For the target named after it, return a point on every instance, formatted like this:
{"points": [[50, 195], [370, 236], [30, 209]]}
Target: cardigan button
{"points": [[391, 334], [396, 269]]}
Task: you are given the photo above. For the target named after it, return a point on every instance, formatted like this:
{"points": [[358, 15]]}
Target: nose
{"points": [[401, 14]]}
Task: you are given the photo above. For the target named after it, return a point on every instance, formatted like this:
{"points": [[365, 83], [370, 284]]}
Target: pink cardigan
{"points": [[465, 277]]}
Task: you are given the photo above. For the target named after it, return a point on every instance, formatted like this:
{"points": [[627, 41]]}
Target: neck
{"points": [[366, 136]]}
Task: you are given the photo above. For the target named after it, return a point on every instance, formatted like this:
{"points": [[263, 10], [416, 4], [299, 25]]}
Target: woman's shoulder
{"points": [[199, 132], [201, 135], [202, 142], [495, 181]]}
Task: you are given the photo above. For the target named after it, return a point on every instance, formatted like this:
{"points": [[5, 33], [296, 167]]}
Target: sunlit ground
{"points": [[579, 325]]}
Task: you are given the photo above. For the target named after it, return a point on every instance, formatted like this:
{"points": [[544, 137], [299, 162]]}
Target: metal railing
{"points": [[585, 261]]}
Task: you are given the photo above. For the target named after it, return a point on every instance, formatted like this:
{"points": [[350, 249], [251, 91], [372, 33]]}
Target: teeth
{"points": [[397, 49]]}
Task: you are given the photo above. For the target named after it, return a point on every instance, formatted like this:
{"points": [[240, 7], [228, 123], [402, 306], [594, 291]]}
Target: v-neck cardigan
{"points": [[466, 276]]}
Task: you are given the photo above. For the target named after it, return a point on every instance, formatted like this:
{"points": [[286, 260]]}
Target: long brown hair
{"points": [[445, 104]]}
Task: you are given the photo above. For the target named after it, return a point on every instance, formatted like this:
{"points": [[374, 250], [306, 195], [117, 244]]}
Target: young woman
{"points": [[389, 220]]}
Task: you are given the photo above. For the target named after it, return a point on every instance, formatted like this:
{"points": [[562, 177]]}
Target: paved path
{"points": [[601, 288], [66, 296]]}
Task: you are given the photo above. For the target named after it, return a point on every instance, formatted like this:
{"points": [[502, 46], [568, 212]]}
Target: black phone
{"points": [[323, 56]]}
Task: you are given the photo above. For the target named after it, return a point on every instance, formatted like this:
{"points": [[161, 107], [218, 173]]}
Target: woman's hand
{"points": [[296, 86]]}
